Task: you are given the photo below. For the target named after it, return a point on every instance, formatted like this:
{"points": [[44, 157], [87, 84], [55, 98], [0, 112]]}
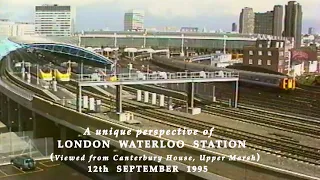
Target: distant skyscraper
{"points": [[293, 22], [54, 20], [311, 30], [277, 27], [263, 23], [234, 27], [134, 20], [246, 21]]}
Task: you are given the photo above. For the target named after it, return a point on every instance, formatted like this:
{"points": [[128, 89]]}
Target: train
{"points": [[282, 82], [62, 74], [45, 74]]}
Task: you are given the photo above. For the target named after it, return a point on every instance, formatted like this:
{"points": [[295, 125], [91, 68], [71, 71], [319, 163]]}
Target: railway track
{"points": [[267, 100], [266, 120], [274, 145], [296, 102], [278, 121], [278, 146]]}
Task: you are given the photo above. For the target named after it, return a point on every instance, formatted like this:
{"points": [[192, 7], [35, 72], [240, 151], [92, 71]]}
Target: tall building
{"points": [[234, 27], [246, 21], [270, 22], [311, 31], [54, 20], [134, 20], [293, 22], [277, 26], [263, 23]]}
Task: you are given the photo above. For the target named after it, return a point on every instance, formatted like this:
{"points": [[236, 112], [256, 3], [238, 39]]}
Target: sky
{"points": [[211, 14]]}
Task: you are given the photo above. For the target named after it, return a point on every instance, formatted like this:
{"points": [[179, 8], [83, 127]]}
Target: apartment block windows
{"points": [[268, 62], [259, 62], [269, 53], [260, 53], [251, 53], [250, 61], [281, 53]]}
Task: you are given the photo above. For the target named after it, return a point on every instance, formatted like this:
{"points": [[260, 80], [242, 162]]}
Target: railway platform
{"points": [[61, 93]]}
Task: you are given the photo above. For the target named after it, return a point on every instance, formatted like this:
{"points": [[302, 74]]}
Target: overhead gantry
{"points": [[159, 78]]}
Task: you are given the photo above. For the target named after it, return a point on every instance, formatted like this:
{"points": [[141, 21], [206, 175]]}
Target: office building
{"points": [[270, 22], [246, 21], [263, 23], [277, 26], [134, 20], [234, 27], [10, 28], [54, 20], [311, 31], [293, 22]]}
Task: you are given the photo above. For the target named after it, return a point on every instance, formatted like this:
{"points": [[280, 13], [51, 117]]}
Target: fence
{"points": [[16, 144]]}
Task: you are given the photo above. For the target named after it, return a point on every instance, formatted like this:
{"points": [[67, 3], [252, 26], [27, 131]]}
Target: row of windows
{"points": [[52, 25], [260, 62], [53, 19], [269, 53], [49, 13]]}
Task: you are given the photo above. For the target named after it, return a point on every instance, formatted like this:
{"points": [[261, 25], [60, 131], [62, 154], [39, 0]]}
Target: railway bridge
{"points": [[29, 110]]}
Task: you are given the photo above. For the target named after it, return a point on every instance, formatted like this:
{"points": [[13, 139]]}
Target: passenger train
{"points": [[45, 74], [62, 74], [283, 82]]}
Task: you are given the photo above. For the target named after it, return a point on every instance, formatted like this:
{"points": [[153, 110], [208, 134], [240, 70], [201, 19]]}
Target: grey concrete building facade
{"points": [[270, 22], [293, 22], [277, 20], [246, 21]]}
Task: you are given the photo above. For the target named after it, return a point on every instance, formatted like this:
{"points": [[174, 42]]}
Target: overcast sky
{"points": [[212, 14]]}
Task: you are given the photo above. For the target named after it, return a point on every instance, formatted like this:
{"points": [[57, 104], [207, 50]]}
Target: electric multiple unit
{"points": [[271, 80], [62, 75], [45, 74]]}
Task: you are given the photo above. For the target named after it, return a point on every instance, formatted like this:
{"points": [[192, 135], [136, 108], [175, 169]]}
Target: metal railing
{"points": [[21, 92], [160, 76], [16, 144]]}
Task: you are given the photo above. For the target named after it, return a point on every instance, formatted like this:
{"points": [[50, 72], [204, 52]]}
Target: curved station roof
{"points": [[58, 45]]}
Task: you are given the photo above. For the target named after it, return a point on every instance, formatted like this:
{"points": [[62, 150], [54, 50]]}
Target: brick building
{"points": [[273, 55]]}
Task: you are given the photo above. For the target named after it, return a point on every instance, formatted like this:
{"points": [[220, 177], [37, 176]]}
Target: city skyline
{"points": [[190, 13]]}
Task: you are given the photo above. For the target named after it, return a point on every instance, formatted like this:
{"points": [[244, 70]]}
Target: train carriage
{"points": [[283, 82], [45, 74], [63, 74]]}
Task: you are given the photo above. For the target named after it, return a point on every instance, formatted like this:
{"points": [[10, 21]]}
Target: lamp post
{"points": [[38, 74], [81, 71], [23, 70], [144, 39], [29, 73], [224, 43], [129, 69]]}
